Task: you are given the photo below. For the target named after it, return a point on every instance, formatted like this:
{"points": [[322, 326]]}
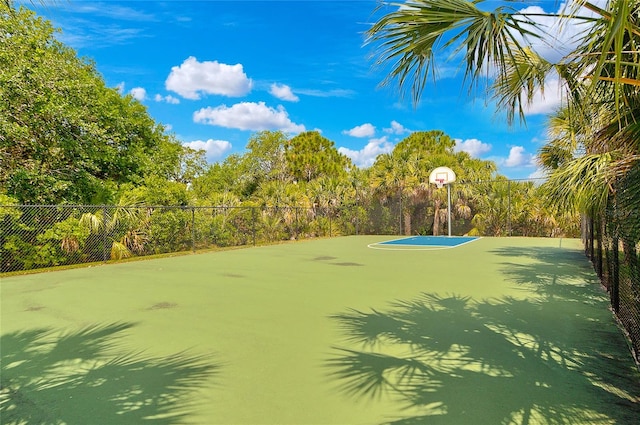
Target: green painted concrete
{"points": [[501, 330]]}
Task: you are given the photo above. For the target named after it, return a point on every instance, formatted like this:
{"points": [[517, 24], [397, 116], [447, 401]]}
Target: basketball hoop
{"points": [[441, 176]]}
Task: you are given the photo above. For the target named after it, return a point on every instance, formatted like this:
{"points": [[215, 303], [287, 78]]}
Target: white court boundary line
{"points": [[379, 245]]}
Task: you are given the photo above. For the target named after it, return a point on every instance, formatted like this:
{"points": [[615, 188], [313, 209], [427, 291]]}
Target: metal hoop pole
{"points": [[449, 207]]}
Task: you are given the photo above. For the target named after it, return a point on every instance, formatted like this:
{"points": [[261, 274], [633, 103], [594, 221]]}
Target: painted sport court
{"points": [[423, 243], [331, 331]]}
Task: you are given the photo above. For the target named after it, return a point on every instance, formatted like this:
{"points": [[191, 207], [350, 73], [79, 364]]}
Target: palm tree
{"points": [[395, 177], [494, 47], [125, 226], [492, 209], [597, 148], [360, 195], [416, 31], [404, 175]]}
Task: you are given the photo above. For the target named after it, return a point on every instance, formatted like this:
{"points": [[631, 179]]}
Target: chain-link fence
{"points": [[35, 236], [611, 241], [483, 208]]}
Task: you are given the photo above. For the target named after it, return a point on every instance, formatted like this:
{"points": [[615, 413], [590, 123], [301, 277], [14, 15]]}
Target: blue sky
{"points": [[216, 72]]}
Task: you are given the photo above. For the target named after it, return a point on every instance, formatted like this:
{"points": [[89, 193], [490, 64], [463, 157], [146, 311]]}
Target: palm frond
{"points": [[582, 184], [525, 75], [119, 251], [370, 374], [92, 221], [610, 53], [568, 130], [410, 37]]}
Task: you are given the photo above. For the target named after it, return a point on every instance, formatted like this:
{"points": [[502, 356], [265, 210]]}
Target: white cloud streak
{"points": [[138, 93], [283, 92], [248, 116], [364, 130], [518, 157], [366, 156], [396, 128], [326, 93], [473, 147], [214, 148], [167, 99]]}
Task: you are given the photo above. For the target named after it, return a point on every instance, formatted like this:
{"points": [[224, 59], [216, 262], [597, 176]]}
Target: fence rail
{"points": [[36, 236]]}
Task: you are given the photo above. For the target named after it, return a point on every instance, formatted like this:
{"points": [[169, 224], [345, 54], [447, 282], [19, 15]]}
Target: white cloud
{"points": [[138, 93], [120, 87], [193, 78], [547, 102], [364, 130], [473, 147], [113, 11], [539, 173], [168, 98], [214, 148], [248, 116], [396, 128], [519, 157], [366, 156], [563, 37], [283, 92]]}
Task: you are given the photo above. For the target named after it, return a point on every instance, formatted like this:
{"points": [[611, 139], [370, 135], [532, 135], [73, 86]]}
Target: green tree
{"points": [[423, 151], [390, 178], [175, 162], [228, 176], [309, 155], [265, 158], [64, 136], [403, 176]]}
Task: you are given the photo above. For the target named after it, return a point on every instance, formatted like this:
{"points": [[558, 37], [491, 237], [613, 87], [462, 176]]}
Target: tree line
{"points": [[67, 138]]}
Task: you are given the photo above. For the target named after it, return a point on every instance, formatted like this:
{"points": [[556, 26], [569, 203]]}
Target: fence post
{"points": [[592, 252], [600, 246], [104, 233], [400, 229], [193, 229], [253, 224], [357, 211], [509, 207], [615, 284]]}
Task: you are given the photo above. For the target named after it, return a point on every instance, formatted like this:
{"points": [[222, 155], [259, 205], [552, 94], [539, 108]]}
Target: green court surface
{"points": [[498, 331]]}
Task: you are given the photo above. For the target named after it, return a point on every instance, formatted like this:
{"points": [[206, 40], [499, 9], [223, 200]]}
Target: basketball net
{"points": [[439, 183]]}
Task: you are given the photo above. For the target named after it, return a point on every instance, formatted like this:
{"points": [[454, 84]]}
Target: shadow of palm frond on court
{"points": [[452, 360], [81, 377]]}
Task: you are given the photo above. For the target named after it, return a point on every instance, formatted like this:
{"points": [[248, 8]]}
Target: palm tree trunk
{"points": [[407, 221], [436, 218]]}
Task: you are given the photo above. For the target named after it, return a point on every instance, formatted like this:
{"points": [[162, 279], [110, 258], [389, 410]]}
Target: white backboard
{"points": [[441, 176]]}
